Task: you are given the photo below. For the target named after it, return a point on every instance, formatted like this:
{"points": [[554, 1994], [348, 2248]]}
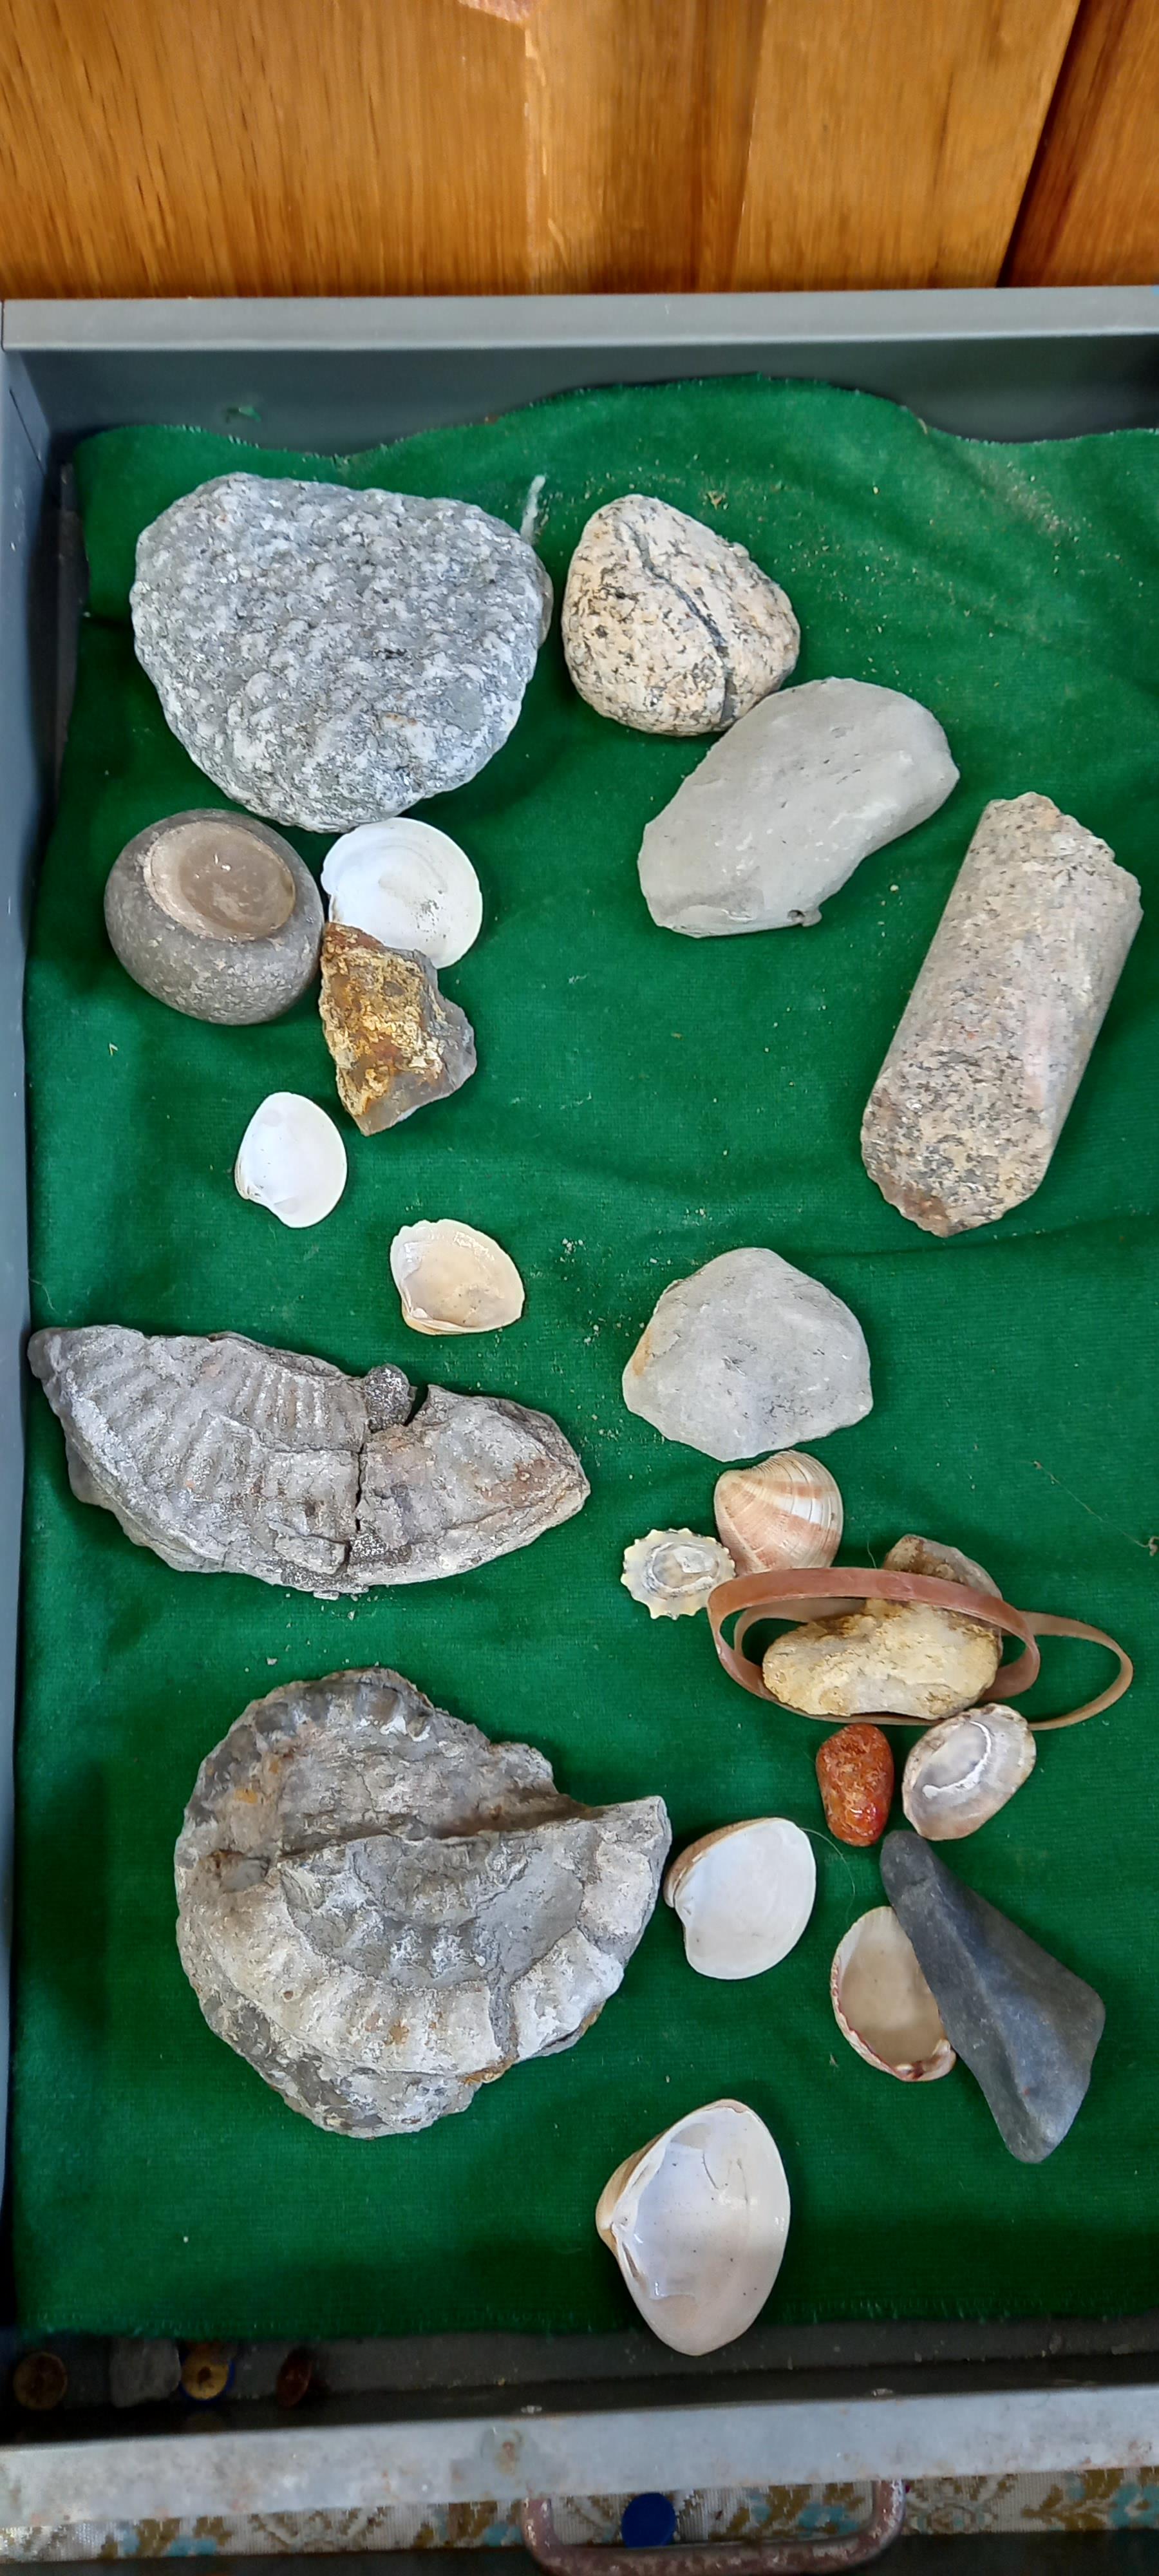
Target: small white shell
{"points": [[744, 1896], [964, 1770], [882, 2002], [673, 1571], [698, 2223], [452, 1279], [291, 1160], [785, 1511], [406, 885]]}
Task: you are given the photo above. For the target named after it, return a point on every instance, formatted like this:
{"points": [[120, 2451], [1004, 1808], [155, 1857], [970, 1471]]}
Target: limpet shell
{"points": [[453, 1279], [698, 2222], [787, 1510], [883, 2006], [406, 885], [291, 1160], [674, 1571], [965, 1770], [744, 1896]]}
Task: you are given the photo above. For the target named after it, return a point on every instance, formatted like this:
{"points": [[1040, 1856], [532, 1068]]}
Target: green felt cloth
{"points": [[643, 1101]]}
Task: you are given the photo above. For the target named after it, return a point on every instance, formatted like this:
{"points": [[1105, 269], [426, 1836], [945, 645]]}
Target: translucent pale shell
{"points": [[291, 1160], [406, 885], [452, 1279], [786, 1511], [883, 2004], [673, 1571], [964, 1770], [744, 1896], [698, 2223]]}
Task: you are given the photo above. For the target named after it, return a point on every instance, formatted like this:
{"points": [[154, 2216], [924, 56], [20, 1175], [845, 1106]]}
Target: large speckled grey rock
{"points": [[668, 626], [994, 1040], [780, 813], [329, 657], [226, 1457], [1023, 2024], [748, 1355], [382, 1910], [216, 916]]}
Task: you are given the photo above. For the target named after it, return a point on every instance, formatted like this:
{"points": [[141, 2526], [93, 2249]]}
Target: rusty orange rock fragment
{"points": [[396, 1041], [855, 1777]]}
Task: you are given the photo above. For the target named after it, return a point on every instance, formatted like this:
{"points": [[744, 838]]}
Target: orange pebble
{"points": [[855, 1777]]}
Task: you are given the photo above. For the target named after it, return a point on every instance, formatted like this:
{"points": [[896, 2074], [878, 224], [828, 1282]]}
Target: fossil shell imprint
{"points": [[406, 885], [698, 2223], [382, 1910], [673, 1571], [882, 2002], [785, 1511], [744, 1896], [452, 1279], [291, 1160], [963, 1771], [216, 916], [226, 1457]]}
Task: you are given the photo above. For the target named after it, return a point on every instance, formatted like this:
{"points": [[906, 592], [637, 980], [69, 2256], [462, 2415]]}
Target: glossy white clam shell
{"points": [[744, 1896], [453, 1279], [407, 885], [965, 1769], [698, 2222], [883, 2006], [291, 1160], [787, 1510], [673, 1572]]}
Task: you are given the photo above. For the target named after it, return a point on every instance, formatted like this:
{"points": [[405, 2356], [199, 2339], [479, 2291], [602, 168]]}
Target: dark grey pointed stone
{"points": [[1023, 2024]]}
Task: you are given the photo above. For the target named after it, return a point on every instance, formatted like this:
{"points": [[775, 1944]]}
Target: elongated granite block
{"points": [[994, 1040]]}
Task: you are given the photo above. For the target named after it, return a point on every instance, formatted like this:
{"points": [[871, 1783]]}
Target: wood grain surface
{"points": [[1091, 213], [277, 147]]}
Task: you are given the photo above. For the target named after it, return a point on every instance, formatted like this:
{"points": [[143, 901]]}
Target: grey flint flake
{"points": [[381, 1910], [329, 657], [226, 1457], [779, 813], [994, 1040], [747, 1355], [1023, 2024]]}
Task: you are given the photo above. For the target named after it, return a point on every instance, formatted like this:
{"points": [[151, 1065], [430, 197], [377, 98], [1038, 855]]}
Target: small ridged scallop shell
{"points": [[406, 885], [291, 1160], [787, 1511], [965, 1770], [698, 2222], [674, 1571], [744, 1896], [882, 2004], [452, 1279]]}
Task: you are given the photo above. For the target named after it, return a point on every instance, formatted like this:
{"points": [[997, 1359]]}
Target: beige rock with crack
{"points": [[891, 1658], [669, 627]]}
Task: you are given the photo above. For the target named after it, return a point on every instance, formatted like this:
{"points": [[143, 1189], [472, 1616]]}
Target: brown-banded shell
{"points": [[965, 1770], [744, 1896], [673, 1571], [882, 2003], [785, 1511], [698, 2222]]}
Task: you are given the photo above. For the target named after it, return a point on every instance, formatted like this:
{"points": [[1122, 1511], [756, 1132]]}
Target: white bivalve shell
{"points": [[882, 2002], [786, 1511], [673, 1572], [452, 1279], [291, 1160], [964, 1770], [744, 1896], [698, 2223], [406, 885]]}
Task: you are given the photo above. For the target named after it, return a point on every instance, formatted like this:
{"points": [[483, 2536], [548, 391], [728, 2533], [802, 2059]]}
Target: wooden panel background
{"points": [[275, 147]]}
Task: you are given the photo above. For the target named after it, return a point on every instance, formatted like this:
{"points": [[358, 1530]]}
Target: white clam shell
{"points": [[698, 2223], [785, 1511], [291, 1160], [673, 1572], [744, 1896], [963, 1771], [452, 1279], [882, 2003], [407, 885]]}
